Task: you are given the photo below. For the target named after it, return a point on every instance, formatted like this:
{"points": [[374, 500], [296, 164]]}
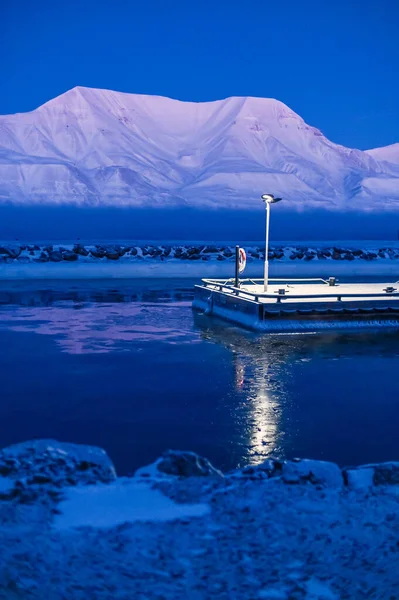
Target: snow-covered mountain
{"points": [[95, 147], [387, 153]]}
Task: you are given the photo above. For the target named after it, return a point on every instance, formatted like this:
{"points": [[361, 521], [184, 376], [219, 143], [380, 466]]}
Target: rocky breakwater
{"points": [[55, 253], [181, 529]]}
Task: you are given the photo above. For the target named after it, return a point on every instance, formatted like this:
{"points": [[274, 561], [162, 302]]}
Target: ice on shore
{"points": [[125, 502]]}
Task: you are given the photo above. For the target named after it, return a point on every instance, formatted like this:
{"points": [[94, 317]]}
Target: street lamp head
{"points": [[267, 198], [270, 199]]}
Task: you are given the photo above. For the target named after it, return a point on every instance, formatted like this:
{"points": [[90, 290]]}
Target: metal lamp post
{"points": [[268, 199]]}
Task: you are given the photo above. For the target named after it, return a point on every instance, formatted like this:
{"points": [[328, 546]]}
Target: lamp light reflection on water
{"points": [[263, 420]]}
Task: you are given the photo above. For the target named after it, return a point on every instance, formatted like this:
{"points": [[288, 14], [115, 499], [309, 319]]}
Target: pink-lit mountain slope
{"points": [[387, 153], [97, 147]]}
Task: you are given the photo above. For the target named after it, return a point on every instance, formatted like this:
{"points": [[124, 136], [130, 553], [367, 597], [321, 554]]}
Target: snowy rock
{"points": [[386, 473], [179, 464], [294, 472], [263, 470], [366, 476], [312, 471], [69, 256], [49, 462], [11, 251], [186, 464], [43, 257], [112, 255], [98, 252], [55, 256], [359, 479], [309, 255], [81, 250], [112, 252]]}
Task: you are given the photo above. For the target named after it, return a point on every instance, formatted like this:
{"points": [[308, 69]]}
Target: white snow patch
{"points": [[151, 471], [120, 502]]}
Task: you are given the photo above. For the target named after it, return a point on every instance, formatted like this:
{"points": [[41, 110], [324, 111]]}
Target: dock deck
{"points": [[303, 304]]}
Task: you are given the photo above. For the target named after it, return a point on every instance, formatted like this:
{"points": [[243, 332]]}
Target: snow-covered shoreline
{"points": [[181, 529], [119, 260]]}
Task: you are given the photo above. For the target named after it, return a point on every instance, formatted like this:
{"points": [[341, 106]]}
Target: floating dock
{"points": [[299, 304]]}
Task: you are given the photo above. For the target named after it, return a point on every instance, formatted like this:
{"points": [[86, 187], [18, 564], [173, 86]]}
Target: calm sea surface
{"points": [[130, 368]]}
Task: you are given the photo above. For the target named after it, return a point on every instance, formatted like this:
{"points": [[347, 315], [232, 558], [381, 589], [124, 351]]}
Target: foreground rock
{"points": [[34, 469], [179, 529], [180, 464]]}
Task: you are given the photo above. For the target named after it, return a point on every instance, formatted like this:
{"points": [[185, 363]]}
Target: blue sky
{"points": [[336, 63]]}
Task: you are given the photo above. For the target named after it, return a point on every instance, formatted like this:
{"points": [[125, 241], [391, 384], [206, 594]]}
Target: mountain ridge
{"points": [[386, 153], [100, 147]]}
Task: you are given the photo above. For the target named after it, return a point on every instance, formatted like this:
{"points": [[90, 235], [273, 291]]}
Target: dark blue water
{"points": [[132, 369]]}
